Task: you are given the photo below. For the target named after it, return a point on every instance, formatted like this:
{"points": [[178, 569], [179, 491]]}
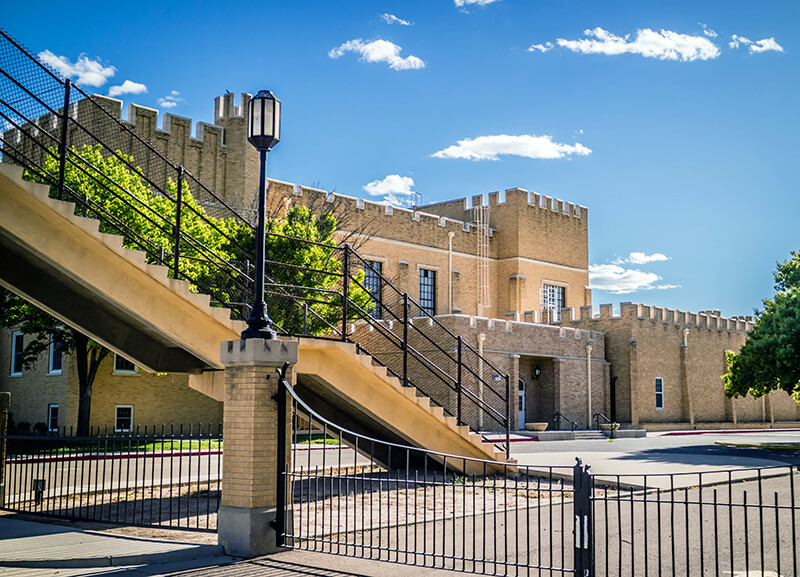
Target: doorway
{"points": [[521, 403]]}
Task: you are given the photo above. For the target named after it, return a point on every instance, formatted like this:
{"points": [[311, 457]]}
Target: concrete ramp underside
{"points": [[349, 390], [63, 264]]}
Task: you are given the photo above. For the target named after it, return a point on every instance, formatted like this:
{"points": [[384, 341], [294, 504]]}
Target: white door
{"points": [[521, 404]]}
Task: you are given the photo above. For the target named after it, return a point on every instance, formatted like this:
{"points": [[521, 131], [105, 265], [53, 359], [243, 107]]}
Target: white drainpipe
{"points": [[481, 338], [451, 234]]}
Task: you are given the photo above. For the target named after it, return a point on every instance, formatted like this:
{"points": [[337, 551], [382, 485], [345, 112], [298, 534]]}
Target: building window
{"points": [[427, 290], [123, 422], [553, 300], [17, 344], [372, 282], [55, 356], [659, 394], [52, 418], [123, 366]]}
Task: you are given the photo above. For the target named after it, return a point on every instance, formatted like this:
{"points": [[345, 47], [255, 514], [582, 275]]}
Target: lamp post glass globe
{"points": [[263, 132]]}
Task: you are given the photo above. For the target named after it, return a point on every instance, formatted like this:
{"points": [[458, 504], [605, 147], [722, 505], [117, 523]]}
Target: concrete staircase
{"points": [[589, 435], [63, 264]]}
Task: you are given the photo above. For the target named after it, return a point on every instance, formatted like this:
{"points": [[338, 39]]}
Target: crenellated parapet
{"points": [[645, 314], [515, 198], [387, 221], [215, 153]]}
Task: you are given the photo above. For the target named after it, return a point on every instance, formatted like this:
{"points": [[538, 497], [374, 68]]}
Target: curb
{"points": [[183, 554], [790, 446]]}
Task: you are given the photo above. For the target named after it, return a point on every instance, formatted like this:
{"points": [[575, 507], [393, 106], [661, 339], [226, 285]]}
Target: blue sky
{"points": [[675, 123]]}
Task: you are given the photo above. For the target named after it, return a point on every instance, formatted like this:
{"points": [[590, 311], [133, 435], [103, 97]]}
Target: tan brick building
{"points": [[123, 396], [497, 269]]}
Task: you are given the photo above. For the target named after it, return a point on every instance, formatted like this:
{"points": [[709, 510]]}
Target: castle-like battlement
{"points": [[146, 119], [709, 320], [225, 107], [380, 210], [510, 196]]}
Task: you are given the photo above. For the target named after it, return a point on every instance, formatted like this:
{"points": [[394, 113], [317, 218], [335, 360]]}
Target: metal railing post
{"points": [[280, 505], [584, 527], [345, 289], [63, 145], [405, 339], [5, 405], [458, 382], [508, 416], [177, 231]]}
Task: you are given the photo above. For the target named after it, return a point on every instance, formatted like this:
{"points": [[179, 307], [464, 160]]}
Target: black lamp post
{"points": [[263, 132]]}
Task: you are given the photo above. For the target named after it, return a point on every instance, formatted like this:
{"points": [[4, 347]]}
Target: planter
{"points": [[536, 426], [609, 426]]}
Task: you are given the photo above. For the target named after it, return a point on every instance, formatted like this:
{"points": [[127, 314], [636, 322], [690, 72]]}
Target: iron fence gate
{"points": [[348, 494], [156, 476], [741, 522], [352, 495]]}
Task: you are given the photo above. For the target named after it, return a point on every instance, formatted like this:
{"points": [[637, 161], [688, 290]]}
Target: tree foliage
{"points": [[770, 359], [305, 268]]}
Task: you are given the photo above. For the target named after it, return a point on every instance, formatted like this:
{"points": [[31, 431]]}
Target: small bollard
{"points": [[39, 486]]}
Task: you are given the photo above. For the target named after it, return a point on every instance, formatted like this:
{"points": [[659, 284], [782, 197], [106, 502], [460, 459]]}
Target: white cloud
{"points": [[527, 145], [462, 3], [85, 71], [378, 51], [642, 258], [540, 47], [170, 101], [392, 19], [663, 45], [394, 189], [618, 280], [708, 31], [763, 45], [127, 87]]}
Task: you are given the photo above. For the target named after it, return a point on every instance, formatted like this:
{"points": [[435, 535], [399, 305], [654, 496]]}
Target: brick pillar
{"points": [[687, 406], [514, 372], [250, 467], [633, 373]]}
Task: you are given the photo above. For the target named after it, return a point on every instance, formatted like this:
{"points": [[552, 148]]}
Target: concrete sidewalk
{"points": [[32, 549]]}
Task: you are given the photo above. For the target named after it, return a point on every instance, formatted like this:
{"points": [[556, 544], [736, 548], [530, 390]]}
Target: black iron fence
{"points": [[158, 476], [69, 140], [352, 495], [739, 522]]}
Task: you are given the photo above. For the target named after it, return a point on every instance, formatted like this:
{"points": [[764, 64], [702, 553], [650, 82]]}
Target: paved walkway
{"points": [[31, 549]]}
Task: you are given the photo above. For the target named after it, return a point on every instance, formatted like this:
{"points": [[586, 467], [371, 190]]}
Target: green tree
{"points": [[770, 358], [128, 206]]}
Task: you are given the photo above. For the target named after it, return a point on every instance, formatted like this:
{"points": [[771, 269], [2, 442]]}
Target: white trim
{"points": [[662, 393], [49, 417], [428, 267], [555, 282], [51, 352], [117, 371], [382, 259], [14, 335], [116, 418]]}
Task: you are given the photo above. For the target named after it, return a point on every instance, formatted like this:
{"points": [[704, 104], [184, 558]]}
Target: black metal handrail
{"points": [[600, 416], [40, 131], [557, 416]]}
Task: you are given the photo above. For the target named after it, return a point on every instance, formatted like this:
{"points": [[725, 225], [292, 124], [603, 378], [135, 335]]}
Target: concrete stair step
{"points": [[589, 436]]}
